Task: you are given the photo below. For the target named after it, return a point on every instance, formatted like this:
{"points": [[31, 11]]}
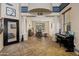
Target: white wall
{"points": [[1, 41], [75, 22], [3, 15], [1, 38], [14, 6]]}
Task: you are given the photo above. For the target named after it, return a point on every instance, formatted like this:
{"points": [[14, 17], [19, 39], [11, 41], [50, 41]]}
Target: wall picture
{"points": [[12, 31], [10, 11]]}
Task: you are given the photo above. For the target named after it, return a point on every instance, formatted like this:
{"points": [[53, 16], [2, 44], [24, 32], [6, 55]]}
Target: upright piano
{"points": [[66, 40]]}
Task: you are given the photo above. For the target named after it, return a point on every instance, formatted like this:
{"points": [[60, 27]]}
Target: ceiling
{"points": [[56, 4]]}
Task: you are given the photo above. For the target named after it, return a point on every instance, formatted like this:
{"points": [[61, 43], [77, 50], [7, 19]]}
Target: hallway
{"points": [[35, 47]]}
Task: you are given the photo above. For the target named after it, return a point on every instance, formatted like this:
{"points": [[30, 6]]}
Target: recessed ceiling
{"points": [[40, 10]]}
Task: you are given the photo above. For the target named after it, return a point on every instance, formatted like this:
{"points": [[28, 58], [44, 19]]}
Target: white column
{"points": [[25, 28], [56, 26], [53, 29]]}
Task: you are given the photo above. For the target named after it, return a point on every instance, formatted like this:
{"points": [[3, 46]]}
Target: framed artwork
{"points": [[13, 26], [12, 31], [10, 11]]}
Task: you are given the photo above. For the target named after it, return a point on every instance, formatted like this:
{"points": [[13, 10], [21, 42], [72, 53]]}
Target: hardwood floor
{"points": [[35, 47]]}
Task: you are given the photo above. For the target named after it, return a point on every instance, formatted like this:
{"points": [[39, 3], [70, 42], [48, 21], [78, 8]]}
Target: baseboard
{"points": [[76, 51], [1, 48]]}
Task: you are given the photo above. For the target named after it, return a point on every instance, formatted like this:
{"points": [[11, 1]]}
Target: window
{"points": [[56, 9], [24, 9], [40, 27], [67, 20]]}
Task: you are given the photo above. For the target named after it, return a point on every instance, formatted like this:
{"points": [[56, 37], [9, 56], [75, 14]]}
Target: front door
{"points": [[11, 31]]}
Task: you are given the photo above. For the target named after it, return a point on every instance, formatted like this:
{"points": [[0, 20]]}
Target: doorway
{"points": [[11, 31]]}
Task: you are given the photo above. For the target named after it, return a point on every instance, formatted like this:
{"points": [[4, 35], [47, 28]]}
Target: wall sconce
{"points": [[51, 25]]}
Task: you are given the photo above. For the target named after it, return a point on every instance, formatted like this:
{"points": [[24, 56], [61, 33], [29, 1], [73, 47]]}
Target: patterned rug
{"points": [[35, 47]]}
